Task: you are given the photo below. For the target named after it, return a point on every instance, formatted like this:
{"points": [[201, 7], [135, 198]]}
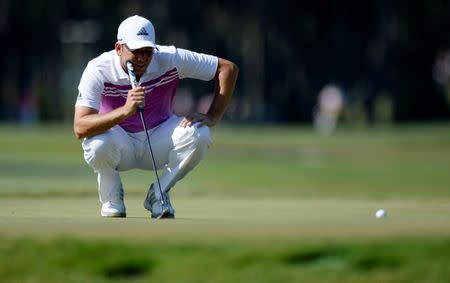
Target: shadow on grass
{"points": [[126, 270]]}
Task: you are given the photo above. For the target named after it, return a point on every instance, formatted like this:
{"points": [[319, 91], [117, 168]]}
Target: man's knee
{"points": [[192, 137], [99, 150]]}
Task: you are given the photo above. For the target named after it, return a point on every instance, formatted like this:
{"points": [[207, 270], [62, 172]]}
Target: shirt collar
{"points": [[120, 71], [152, 68], [154, 65]]}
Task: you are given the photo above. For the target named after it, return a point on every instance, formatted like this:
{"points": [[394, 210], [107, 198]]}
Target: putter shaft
{"points": [[134, 84]]}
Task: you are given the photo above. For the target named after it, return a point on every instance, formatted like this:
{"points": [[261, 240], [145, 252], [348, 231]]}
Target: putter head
{"points": [[165, 214], [165, 210], [159, 208]]}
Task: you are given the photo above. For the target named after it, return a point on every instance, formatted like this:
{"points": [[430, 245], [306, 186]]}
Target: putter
{"points": [[134, 84]]}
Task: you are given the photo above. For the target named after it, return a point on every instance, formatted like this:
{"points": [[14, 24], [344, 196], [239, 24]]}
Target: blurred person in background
{"points": [[107, 120], [330, 103], [441, 73]]}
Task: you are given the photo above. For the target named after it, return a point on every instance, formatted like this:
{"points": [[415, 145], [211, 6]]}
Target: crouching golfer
{"points": [[108, 120]]}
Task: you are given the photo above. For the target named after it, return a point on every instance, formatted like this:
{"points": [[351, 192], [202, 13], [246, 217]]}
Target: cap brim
{"points": [[133, 45]]}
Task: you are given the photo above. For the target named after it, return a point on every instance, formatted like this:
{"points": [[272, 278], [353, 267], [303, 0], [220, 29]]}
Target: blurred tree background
{"points": [[389, 60]]}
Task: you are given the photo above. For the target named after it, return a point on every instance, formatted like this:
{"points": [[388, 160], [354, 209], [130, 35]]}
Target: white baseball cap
{"points": [[136, 32]]}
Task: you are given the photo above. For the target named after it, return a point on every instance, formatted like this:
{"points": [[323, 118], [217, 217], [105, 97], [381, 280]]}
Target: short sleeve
{"points": [[195, 65], [90, 88]]}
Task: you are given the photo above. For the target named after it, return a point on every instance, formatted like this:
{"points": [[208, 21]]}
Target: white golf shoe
{"points": [[157, 209], [113, 209]]}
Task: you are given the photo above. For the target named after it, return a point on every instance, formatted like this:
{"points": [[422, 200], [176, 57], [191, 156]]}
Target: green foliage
{"points": [[93, 261]]}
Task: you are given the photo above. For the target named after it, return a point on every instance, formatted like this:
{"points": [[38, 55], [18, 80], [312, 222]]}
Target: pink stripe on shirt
{"points": [[159, 95]]}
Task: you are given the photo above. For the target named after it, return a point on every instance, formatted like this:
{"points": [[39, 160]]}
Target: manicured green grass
{"points": [[402, 162], [103, 261], [234, 219], [268, 204]]}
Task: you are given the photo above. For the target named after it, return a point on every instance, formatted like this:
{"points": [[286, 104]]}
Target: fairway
{"points": [[268, 204], [227, 219]]}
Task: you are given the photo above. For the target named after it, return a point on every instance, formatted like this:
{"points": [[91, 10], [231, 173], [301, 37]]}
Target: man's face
{"points": [[140, 58]]}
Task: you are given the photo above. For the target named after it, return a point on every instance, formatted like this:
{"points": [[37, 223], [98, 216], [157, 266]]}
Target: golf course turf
{"points": [[268, 204]]}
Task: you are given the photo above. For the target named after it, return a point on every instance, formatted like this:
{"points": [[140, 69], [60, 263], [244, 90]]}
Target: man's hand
{"points": [[199, 118], [135, 98]]}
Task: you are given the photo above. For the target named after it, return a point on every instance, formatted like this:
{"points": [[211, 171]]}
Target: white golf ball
{"points": [[381, 213]]}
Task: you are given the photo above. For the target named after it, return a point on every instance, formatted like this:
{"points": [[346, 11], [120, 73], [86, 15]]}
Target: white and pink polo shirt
{"points": [[104, 85]]}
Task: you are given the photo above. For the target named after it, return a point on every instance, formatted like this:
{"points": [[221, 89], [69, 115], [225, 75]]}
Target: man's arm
{"points": [[88, 122], [225, 81]]}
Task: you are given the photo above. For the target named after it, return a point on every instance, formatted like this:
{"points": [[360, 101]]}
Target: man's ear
{"points": [[118, 48]]}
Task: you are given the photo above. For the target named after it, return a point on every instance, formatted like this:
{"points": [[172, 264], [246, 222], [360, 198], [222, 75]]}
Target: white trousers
{"points": [[176, 150]]}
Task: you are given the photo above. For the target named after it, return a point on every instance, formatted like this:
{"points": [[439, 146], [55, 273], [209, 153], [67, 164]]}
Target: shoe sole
{"points": [[116, 215], [164, 215]]}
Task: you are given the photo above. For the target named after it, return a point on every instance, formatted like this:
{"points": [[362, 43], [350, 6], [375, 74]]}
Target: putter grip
{"points": [[133, 80]]}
